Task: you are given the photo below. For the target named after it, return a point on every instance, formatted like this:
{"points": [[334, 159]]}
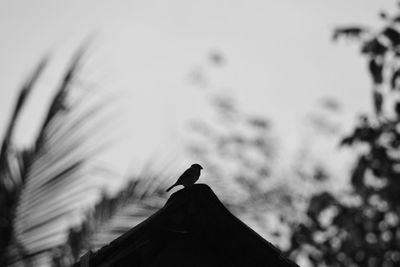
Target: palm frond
{"points": [[59, 178], [59, 101], [12, 164], [6, 178], [112, 217]]}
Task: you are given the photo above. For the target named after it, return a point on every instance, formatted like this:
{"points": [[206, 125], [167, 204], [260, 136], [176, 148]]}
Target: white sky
{"points": [[280, 58]]}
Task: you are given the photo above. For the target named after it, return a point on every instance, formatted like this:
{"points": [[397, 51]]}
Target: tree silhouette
{"points": [[362, 227]]}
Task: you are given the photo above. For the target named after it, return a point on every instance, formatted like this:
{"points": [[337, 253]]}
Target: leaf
{"points": [[374, 47], [378, 101], [376, 70], [393, 80], [357, 177], [112, 217], [12, 165], [59, 103], [397, 110], [59, 178], [392, 35], [349, 32], [21, 100]]}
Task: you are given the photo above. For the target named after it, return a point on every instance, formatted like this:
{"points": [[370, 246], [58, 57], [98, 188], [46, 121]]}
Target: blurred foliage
{"points": [[44, 185], [264, 186], [111, 217], [242, 155], [48, 190], [239, 150], [240, 142], [362, 227]]}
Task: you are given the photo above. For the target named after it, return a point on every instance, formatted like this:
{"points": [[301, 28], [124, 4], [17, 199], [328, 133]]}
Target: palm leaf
{"points": [[112, 217], [59, 101], [59, 179], [12, 164], [7, 155]]}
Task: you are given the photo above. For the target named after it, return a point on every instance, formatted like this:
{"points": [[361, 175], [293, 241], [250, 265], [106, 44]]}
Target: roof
{"points": [[193, 229]]}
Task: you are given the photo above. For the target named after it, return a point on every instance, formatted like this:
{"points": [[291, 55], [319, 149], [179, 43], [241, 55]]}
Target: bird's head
{"points": [[196, 166]]}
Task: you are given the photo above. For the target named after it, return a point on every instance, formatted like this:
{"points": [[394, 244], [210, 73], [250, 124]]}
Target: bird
{"points": [[189, 177]]}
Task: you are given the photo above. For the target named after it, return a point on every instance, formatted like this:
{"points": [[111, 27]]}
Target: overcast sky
{"points": [[280, 59]]}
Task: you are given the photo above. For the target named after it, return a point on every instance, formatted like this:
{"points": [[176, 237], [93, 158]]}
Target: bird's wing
{"points": [[183, 176]]}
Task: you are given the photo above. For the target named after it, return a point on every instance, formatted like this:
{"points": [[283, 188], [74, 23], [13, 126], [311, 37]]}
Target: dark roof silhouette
{"points": [[193, 229]]}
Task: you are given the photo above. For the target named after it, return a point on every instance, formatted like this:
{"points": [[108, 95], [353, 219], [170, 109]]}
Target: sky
{"points": [[279, 61]]}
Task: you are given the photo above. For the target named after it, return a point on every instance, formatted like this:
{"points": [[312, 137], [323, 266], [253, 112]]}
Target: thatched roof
{"points": [[193, 229]]}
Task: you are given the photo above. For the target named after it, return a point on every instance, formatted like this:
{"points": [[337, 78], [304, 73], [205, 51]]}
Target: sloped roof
{"points": [[193, 229]]}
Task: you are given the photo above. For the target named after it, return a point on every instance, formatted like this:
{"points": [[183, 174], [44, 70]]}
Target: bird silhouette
{"points": [[189, 177]]}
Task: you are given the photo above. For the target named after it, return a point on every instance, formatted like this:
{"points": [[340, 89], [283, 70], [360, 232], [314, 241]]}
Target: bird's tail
{"points": [[172, 186]]}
